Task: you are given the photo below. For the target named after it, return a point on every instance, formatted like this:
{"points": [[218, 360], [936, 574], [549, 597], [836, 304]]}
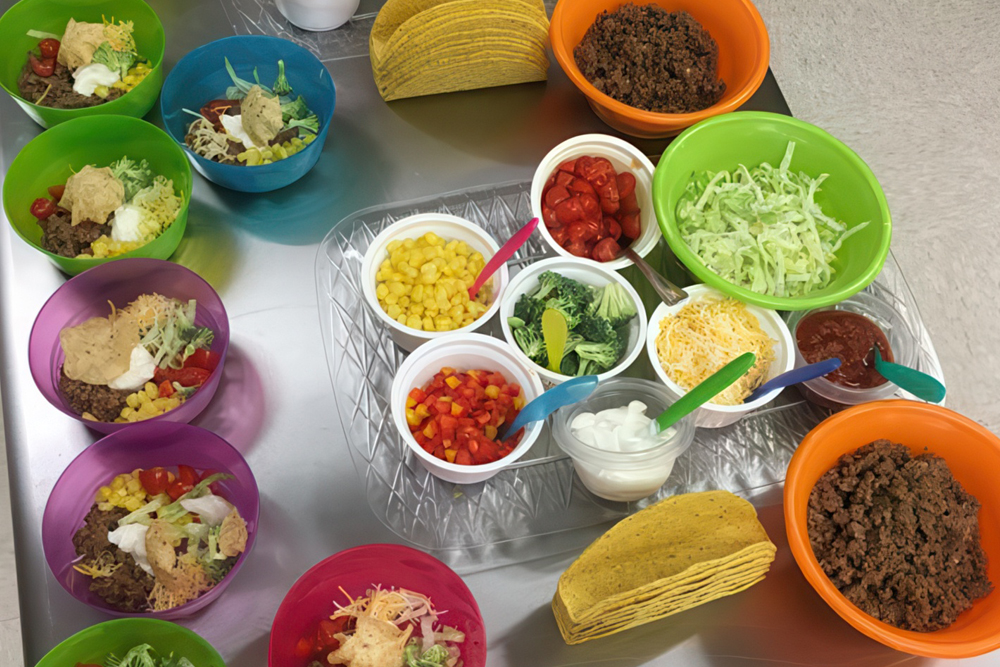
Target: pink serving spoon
{"points": [[506, 252]]}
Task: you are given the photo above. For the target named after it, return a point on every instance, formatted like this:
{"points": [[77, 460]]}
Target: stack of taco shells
{"points": [[677, 554], [425, 47]]}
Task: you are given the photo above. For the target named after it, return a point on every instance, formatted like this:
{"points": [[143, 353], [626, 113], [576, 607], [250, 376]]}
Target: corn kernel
{"points": [[132, 400]]}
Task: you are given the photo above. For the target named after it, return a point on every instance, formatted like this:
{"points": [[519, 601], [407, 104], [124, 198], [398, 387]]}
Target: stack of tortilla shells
{"points": [[425, 47], [674, 555]]}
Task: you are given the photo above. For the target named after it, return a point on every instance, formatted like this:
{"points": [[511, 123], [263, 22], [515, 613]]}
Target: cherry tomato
{"points": [[44, 67], [579, 231], [556, 195], [626, 184], [328, 628], [154, 480], [42, 208], [564, 179], [549, 183], [49, 47], [57, 191], [630, 225], [568, 166], [559, 235], [186, 377], [629, 204], [203, 359], [177, 488], [569, 211], [549, 216], [614, 229], [606, 250], [591, 207], [187, 475], [578, 248], [580, 186]]}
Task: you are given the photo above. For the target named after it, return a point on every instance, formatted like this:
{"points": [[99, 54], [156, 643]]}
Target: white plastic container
{"points": [[317, 15], [623, 476], [902, 342], [588, 273], [462, 352], [625, 157], [448, 227], [710, 415]]}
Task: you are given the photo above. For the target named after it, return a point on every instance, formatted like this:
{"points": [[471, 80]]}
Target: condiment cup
{"points": [[52, 16], [625, 157], [92, 645], [201, 76], [317, 15], [448, 227], [463, 352], [973, 456], [588, 273], [355, 571], [624, 476], [147, 445], [904, 345], [711, 415], [735, 25], [87, 296]]}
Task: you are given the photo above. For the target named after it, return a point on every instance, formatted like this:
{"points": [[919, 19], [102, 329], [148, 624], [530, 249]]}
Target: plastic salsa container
{"points": [[886, 317], [623, 476]]}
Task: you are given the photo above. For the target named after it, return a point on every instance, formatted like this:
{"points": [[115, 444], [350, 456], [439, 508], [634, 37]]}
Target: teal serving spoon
{"points": [[704, 392], [567, 393], [919, 384]]}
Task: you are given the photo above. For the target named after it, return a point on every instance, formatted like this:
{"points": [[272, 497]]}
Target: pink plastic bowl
{"points": [[87, 296], [146, 445], [356, 570]]}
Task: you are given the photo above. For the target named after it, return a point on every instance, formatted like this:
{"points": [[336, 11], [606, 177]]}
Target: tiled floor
{"points": [[907, 85]]}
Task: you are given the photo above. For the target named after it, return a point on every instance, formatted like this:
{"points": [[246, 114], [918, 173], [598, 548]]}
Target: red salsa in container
{"points": [[849, 337]]}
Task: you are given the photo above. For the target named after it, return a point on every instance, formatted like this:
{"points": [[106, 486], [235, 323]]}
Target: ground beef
{"points": [[59, 236], [651, 59], [899, 537], [129, 586], [101, 401], [61, 95]]}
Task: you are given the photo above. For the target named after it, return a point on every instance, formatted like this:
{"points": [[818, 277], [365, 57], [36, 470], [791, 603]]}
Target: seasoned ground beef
{"points": [[59, 236], [651, 59], [61, 95], [899, 537], [128, 586], [101, 401]]}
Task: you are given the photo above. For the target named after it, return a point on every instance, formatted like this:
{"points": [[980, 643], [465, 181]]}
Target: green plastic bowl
{"points": [[52, 156], [93, 644], [52, 16], [851, 193]]}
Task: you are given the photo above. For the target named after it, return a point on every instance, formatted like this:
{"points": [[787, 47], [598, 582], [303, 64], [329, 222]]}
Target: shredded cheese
{"points": [[705, 335]]}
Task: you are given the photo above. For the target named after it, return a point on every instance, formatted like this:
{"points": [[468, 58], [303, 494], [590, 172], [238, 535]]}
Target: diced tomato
{"points": [[42, 208], [327, 631], [185, 377], [49, 48], [57, 191], [187, 475], [568, 210], [304, 648], [560, 235], [577, 248], [166, 389], [606, 250], [203, 359], [44, 67], [154, 480], [565, 179], [177, 488], [568, 166], [557, 193], [549, 216]]}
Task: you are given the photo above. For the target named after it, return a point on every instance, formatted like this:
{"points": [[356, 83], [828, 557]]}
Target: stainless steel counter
{"points": [[276, 406]]}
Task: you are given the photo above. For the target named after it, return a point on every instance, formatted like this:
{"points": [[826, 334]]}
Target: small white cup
{"points": [[317, 15]]}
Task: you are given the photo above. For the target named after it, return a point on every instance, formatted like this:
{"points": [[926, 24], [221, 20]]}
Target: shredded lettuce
{"points": [[762, 229], [174, 340], [116, 61], [145, 655], [41, 34], [133, 175], [174, 511], [141, 515]]}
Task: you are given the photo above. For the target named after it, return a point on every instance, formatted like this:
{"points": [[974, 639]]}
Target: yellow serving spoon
{"points": [[554, 333]]}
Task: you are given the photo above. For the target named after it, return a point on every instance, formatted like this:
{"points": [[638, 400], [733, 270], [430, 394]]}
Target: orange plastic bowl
{"points": [[972, 453], [736, 26]]}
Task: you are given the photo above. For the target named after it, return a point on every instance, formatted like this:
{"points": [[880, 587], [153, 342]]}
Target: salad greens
{"points": [[762, 229], [597, 320], [145, 655], [133, 175], [116, 61], [175, 338]]}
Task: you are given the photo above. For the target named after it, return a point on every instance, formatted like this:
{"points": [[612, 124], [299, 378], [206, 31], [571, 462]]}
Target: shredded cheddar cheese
{"points": [[704, 336]]}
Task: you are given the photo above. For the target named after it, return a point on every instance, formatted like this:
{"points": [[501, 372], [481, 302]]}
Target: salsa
{"points": [[849, 337]]}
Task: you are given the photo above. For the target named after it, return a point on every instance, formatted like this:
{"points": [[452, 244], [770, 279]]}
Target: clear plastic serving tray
{"points": [[538, 495]]}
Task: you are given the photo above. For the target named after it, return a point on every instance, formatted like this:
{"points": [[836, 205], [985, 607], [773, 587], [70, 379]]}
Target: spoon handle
{"points": [[795, 376], [505, 252], [567, 393], [669, 293], [919, 384], [705, 391]]}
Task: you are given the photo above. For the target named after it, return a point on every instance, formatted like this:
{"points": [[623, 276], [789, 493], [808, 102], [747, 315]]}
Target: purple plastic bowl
{"points": [[87, 296], [147, 445]]}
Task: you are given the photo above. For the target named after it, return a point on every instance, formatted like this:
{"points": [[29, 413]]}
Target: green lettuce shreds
{"points": [[762, 229]]}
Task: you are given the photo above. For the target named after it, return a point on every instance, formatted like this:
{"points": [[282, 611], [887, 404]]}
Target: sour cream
{"points": [[234, 126], [125, 224], [89, 77], [141, 368], [625, 429]]}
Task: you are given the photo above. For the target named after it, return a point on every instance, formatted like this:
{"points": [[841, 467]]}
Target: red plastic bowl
{"points": [[356, 570], [120, 282], [146, 445]]}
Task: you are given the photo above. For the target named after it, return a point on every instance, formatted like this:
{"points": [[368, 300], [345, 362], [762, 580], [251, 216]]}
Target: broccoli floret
{"points": [[294, 110], [604, 355], [614, 304], [528, 309], [281, 85], [595, 329], [570, 364], [568, 308], [548, 286], [529, 339]]}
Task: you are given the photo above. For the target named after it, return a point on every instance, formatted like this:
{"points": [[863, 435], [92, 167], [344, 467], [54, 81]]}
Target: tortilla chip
{"points": [[233, 535], [375, 643], [160, 550], [99, 350]]}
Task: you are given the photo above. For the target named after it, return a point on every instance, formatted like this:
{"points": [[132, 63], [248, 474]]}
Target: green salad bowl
{"points": [[52, 16], [851, 194], [52, 156], [92, 645]]}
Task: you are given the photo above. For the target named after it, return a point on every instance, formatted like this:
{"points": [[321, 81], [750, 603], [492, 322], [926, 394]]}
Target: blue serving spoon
{"points": [[795, 376], [567, 393]]}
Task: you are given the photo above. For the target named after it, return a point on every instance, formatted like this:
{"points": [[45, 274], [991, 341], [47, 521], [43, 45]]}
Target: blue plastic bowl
{"points": [[201, 76]]}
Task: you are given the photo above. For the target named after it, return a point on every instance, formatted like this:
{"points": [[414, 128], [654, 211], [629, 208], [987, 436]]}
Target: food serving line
{"points": [[315, 460]]}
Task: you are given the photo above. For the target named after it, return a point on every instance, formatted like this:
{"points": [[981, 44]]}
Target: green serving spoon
{"points": [[919, 384], [554, 333], [704, 392]]}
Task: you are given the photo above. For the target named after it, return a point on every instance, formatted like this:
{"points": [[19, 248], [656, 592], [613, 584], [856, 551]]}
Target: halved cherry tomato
{"points": [[42, 208], [630, 225], [559, 235], [568, 166], [187, 475], [154, 480], [591, 207], [579, 231], [549, 216], [177, 488], [57, 191], [606, 250], [555, 195], [44, 67], [629, 204], [580, 186], [578, 248], [614, 229], [185, 377], [549, 183], [626, 184], [564, 179], [202, 358], [49, 48], [214, 110]]}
